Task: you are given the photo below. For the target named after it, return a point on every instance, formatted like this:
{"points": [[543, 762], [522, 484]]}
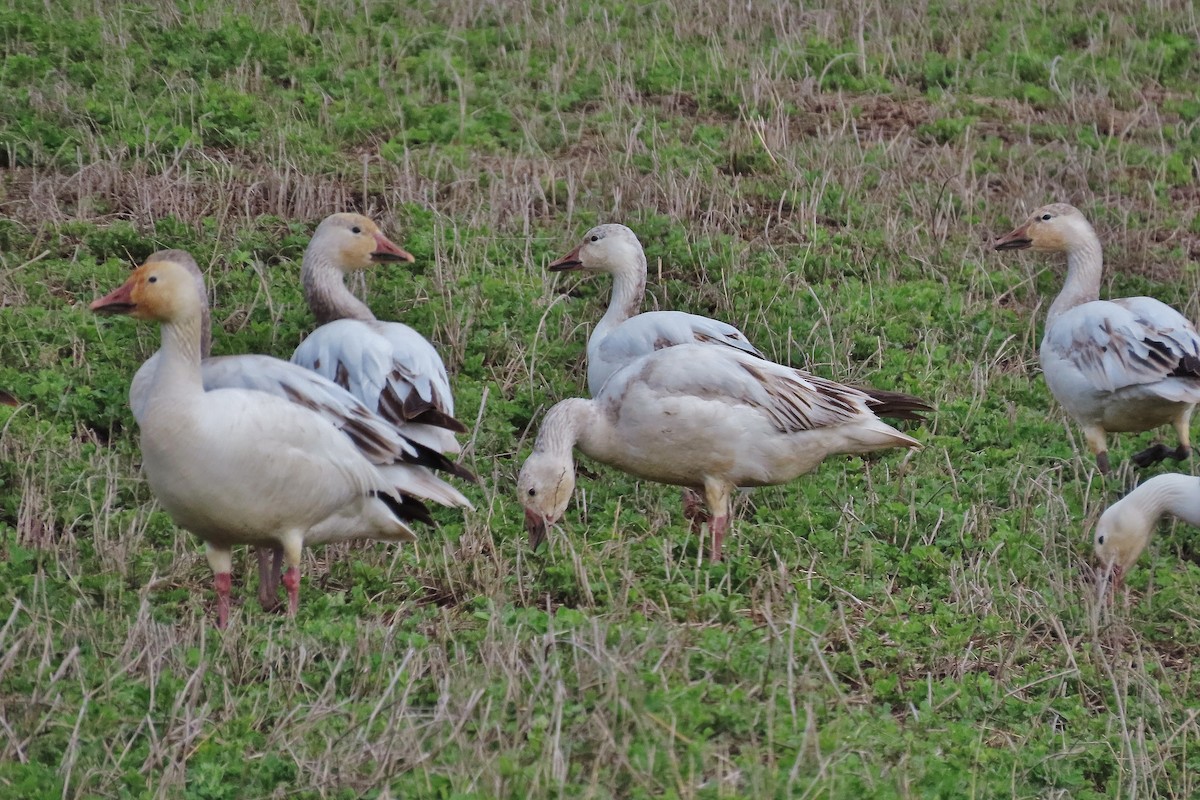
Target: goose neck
{"points": [[326, 292], [629, 289], [1085, 262]]}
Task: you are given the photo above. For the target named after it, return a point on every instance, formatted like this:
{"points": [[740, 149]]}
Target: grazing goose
{"points": [[387, 365], [710, 418], [378, 440], [237, 466], [1131, 364], [623, 334], [1124, 528]]}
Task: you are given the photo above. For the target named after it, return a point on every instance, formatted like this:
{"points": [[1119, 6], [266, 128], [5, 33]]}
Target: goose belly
{"points": [[1129, 409]]}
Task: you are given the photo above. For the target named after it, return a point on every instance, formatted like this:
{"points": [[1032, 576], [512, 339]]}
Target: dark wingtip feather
{"points": [[896, 405], [428, 457], [406, 508]]}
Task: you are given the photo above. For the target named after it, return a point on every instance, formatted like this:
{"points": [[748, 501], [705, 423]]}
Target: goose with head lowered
{"points": [[1125, 365], [1124, 528], [709, 418], [387, 365], [376, 438], [238, 466]]}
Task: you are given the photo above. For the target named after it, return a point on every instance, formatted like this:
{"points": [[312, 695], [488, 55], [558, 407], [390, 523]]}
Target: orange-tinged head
{"points": [[1055, 228], [162, 290], [352, 242]]}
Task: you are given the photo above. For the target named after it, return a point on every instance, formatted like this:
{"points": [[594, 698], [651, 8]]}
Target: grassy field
{"points": [[825, 177]]}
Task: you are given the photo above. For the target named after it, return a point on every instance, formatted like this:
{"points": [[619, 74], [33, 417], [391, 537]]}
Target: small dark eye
{"points": [[1047, 217], [356, 229], [533, 492], [152, 279], [1099, 540], [594, 238]]}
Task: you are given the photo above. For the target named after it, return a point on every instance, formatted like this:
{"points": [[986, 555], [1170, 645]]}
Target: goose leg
{"points": [[718, 494], [1097, 442], [693, 510], [268, 577], [293, 543], [221, 561], [717, 525]]}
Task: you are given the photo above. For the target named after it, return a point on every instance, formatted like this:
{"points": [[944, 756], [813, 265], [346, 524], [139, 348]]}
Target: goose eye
{"points": [[595, 237], [1099, 540], [152, 279], [1047, 217], [356, 229], [533, 492]]}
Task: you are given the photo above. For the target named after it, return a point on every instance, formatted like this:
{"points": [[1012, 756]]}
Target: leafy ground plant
{"points": [[826, 178]]}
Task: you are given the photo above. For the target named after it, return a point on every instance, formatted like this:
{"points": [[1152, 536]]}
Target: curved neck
{"points": [[1085, 261], [629, 287], [205, 332], [1171, 494], [326, 292], [569, 423]]}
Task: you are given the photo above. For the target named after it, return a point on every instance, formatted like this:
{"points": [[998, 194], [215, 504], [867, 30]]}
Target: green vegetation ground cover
{"points": [[824, 177]]}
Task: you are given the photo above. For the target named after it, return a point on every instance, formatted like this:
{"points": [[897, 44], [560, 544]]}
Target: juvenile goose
{"points": [[387, 365], [376, 438], [237, 466], [623, 334], [710, 418], [1130, 364], [1124, 528]]}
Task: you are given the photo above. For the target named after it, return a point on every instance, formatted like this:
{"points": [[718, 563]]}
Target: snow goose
{"points": [[237, 466], [380, 441], [1129, 365], [387, 365], [623, 334], [710, 418], [1124, 528]]}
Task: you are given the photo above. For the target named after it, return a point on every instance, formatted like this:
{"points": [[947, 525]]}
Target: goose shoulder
{"points": [[1122, 343]]}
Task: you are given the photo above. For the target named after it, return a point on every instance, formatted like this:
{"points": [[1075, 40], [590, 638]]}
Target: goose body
{"points": [[239, 466], [625, 333], [380, 441], [389, 366], [1125, 527], [708, 418], [1124, 365]]}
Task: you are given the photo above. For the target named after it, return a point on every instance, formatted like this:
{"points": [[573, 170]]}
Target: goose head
{"points": [[608, 248], [161, 290], [1056, 228], [353, 242], [544, 487], [1120, 537]]}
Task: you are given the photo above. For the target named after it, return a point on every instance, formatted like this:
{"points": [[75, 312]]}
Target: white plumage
{"points": [[709, 418], [623, 334], [387, 365], [242, 466], [1130, 364]]}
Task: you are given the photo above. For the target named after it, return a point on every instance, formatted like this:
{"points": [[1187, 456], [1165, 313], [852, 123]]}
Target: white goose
{"points": [[1131, 364], [387, 365], [711, 418], [623, 334], [376, 438], [236, 466], [1124, 528]]}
